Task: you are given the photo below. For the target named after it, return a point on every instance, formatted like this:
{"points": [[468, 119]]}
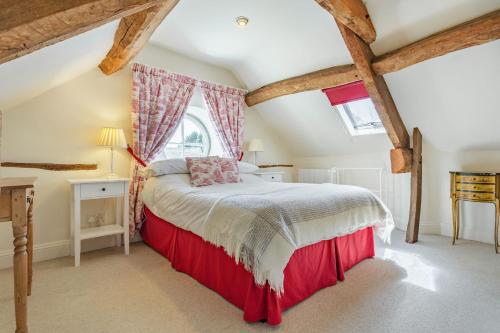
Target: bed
{"points": [[262, 246]]}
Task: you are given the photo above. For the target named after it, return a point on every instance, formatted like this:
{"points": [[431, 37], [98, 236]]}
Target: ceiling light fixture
{"points": [[242, 21]]}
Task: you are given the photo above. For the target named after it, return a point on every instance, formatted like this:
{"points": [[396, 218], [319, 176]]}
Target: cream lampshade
{"points": [[254, 145], [112, 138]]}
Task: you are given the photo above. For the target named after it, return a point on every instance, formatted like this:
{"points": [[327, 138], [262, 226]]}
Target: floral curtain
{"points": [[159, 100], [226, 107]]}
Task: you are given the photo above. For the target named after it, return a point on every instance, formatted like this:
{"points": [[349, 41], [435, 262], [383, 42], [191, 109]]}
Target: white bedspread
{"points": [[227, 215]]}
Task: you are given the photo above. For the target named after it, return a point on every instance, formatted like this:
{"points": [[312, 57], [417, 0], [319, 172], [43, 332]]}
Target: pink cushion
{"points": [[204, 170], [230, 172]]}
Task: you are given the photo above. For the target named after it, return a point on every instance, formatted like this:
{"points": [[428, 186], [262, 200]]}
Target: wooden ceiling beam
{"points": [[479, 31], [476, 32], [377, 88], [132, 34], [354, 15], [29, 25], [321, 79]]}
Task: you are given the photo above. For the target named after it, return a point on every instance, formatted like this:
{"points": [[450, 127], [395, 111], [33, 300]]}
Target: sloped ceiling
{"points": [[453, 99], [26, 77], [445, 97]]}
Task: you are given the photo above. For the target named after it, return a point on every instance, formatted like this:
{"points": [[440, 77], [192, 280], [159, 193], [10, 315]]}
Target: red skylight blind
{"points": [[346, 93]]}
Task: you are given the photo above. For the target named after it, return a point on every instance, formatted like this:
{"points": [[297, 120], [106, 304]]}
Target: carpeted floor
{"points": [[427, 287]]}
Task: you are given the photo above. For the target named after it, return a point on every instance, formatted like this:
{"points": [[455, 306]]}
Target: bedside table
{"points": [[88, 189], [270, 176]]}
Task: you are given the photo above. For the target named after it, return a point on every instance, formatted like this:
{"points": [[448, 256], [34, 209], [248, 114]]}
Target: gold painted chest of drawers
{"points": [[478, 187]]}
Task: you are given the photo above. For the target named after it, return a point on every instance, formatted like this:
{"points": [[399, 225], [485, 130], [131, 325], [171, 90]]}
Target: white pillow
{"points": [[245, 167], [166, 167], [251, 179]]}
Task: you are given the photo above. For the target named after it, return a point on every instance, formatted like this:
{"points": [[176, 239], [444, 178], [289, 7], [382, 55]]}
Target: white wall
{"points": [[61, 126], [477, 218]]}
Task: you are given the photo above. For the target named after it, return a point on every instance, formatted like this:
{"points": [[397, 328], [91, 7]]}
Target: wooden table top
{"points": [[17, 182], [471, 173]]}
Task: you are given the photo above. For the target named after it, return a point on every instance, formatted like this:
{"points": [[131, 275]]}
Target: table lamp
{"points": [[254, 145], [112, 138]]}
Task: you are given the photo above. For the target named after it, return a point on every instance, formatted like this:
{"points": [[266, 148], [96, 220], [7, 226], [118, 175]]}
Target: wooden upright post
{"points": [[416, 189]]}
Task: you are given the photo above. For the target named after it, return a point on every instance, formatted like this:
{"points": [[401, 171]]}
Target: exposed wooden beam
{"points": [[49, 166], [321, 79], [354, 15], [265, 166], [416, 189], [401, 160], [479, 31], [377, 88], [476, 32], [29, 25], [132, 34]]}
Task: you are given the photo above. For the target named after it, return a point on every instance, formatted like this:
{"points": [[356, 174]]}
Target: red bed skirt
{"points": [[310, 268]]}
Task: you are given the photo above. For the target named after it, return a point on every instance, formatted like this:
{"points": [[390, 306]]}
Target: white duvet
{"points": [[214, 213]]}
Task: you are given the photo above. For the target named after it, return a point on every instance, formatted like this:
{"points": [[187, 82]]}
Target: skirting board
{"points": [[41, 252], [47, 251], [425, 227]]}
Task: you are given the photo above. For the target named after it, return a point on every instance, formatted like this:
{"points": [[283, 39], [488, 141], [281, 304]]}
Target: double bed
{"points": [[263, 246]]}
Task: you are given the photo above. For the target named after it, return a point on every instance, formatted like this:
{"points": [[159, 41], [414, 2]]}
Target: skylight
{"points": [[356, 108], [360, 117]]}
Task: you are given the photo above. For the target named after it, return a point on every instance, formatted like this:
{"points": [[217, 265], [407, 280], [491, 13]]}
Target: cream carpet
{"points": [[427, 287]]}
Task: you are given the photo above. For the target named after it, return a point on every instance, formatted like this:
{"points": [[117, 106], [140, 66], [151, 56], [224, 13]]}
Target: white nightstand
{"points": [[87, 189], [270, 176]]}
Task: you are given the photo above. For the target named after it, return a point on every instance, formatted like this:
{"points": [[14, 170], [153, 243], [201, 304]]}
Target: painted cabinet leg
{"points": [[126, 222], [77, 244], [454, 220], [457, 236], [497, 218], [76, 224]]}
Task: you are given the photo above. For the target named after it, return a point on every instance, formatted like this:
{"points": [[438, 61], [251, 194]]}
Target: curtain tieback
{"points": [[137, 158]]}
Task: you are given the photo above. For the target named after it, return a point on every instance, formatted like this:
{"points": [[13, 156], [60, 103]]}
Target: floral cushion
{"points": [[229, 168], [204, 170]]}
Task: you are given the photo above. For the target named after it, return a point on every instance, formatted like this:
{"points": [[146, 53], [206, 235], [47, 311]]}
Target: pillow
{"points": [[165, 167], [204, 170], [229, 168], [251, 179], [245, 167]]}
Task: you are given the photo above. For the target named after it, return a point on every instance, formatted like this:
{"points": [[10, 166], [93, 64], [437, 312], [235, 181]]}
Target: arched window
{"points": [[191, 139]]}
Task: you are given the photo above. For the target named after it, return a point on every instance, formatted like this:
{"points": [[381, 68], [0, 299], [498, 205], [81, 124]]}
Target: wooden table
{"points": [[477, 187], [16, 205]]}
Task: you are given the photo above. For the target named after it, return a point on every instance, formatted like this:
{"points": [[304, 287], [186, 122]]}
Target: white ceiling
{"points": [[453, 99], [286, 38]]}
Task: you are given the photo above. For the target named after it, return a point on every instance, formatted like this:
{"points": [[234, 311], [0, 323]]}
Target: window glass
{"points": [[360, 117], [191, 139]]}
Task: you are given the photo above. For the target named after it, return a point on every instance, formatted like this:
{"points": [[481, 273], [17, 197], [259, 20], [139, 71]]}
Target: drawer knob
{"points": [[103, 189]]}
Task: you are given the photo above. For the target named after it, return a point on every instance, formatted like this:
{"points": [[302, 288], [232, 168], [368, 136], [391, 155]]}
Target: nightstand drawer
{"points": [[475, 179], [476, 187], [101, 190], [272, 178], [476, 196]]}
